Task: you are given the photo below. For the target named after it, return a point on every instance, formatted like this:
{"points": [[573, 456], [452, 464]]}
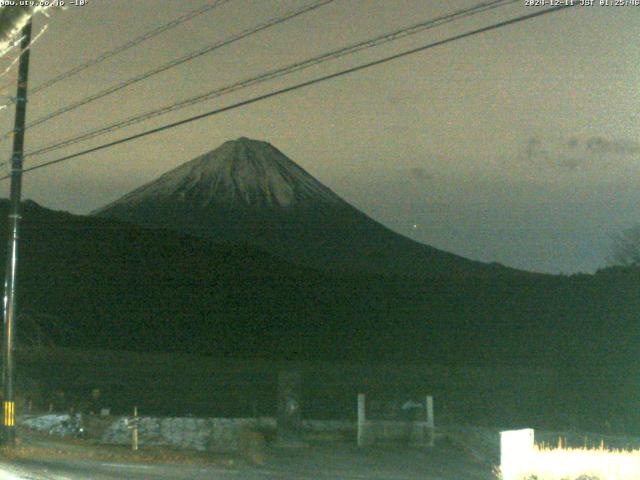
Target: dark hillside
{"points": [[97, 283]]}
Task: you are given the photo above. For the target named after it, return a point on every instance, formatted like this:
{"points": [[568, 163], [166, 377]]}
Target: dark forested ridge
{"points": [[89, 282]]}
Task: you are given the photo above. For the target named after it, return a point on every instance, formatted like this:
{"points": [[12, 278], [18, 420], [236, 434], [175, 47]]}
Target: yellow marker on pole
{"points": [[9, 414]]}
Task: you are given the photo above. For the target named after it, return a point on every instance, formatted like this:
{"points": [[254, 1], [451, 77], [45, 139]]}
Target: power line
{"points": [[174, 63], [126, 46], [301, 85], [130, 44], [16, 42], [277, 73], [15, 61]]}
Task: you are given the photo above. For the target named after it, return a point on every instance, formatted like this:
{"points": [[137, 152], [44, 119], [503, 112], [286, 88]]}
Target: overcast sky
{"points": [[518, 146]]}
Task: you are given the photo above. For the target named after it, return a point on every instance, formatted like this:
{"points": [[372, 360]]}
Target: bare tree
{"points": [[625, 247]]}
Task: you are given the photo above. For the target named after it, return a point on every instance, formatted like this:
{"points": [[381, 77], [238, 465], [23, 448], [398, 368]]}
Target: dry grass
{"points": [[547, 463], [251, 446]]}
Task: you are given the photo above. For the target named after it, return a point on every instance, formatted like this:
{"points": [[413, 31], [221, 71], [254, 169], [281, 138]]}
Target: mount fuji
{"points": [[249, 192]]}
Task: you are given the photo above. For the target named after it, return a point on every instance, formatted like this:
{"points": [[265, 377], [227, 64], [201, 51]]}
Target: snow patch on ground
{"points": [[202, 434], [55, 424]]}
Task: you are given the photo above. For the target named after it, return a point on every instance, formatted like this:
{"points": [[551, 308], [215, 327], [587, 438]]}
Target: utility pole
{"points": [[8, 373]]}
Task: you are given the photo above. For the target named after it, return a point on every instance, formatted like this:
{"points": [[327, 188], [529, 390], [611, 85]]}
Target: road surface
{"points": [[318, 463]]}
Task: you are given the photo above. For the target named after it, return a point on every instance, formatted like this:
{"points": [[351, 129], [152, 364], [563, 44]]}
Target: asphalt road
{"points": [[319, 463]]}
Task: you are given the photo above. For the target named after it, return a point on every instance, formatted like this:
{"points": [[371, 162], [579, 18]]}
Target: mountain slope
{"points": [[248, 192], [242, 175]]}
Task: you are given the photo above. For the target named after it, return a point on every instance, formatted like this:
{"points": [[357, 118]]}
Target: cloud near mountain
{"points": [[575, 153]]}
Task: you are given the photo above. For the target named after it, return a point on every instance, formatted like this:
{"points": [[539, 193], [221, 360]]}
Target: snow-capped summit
{"points": [[248, 192], [242, 173]]}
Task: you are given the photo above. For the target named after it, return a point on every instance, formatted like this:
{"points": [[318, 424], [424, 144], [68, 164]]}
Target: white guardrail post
{"points": [[362, 419], [132, 424], [431, 426], [516, 452]]}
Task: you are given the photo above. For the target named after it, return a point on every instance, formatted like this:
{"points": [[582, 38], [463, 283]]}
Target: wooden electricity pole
{"points": [[8, 373]]}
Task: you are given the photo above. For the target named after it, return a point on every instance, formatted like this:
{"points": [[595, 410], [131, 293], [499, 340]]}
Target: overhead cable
{"points": [[174, 63], [301, 85], [275, 73]]}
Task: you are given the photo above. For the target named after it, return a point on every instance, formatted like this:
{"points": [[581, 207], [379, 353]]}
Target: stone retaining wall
{"points": [[202, 434]]}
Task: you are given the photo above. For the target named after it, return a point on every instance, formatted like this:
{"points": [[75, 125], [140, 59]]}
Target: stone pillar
{"points": [[289, 408]]}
